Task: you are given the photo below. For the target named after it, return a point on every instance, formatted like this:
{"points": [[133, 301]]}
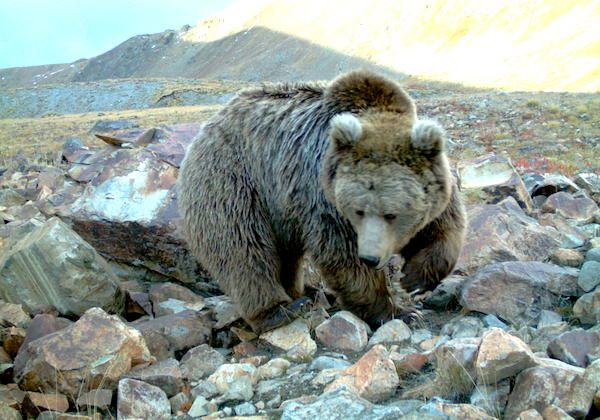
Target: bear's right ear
{"points": [[345, 130], [428, 138]]}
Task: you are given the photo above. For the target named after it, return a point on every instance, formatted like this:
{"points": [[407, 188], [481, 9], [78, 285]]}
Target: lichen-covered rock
{"points": [[518, 290], [343, 331], [235, 380], [500, 356], [575, 347], [394, 331], [139, 400], [373, 376], [93, 352], [52, 265]]}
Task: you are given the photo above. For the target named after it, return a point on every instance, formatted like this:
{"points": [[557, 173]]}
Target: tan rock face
{"points": [[35, 402], [53, 265], [94, 351], [373, 376], [571, 206], [500, 356], [294, 338], [463, 411]]}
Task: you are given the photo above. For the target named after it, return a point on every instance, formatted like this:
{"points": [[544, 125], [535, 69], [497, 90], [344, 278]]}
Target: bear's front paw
{"points": [[280, 315]]}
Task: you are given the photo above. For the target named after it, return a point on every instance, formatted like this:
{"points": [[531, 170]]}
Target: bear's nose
{"points": [[370, 260]]}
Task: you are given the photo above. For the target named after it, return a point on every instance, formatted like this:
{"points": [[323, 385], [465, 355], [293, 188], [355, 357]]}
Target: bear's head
{"points": [[387, 174]]}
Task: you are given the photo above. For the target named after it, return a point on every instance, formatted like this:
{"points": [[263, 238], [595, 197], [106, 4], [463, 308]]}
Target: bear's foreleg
{"points": [[432, 254]]}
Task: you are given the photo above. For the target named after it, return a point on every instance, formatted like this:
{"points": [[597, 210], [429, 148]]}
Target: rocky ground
{"points": [[104, 315]]}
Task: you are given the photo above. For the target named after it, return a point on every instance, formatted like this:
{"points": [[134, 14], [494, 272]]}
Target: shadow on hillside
{"points": [[256, 54]]}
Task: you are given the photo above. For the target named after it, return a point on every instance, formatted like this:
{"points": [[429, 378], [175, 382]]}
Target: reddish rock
{"points": [[12, 339], [93, 352], [34, 403], [11, 396], [516, 291], [139, 400], [500, 356], [571, 206], [373, 376], [343, 331], [245, 349], [408, 363], [503, 232]]}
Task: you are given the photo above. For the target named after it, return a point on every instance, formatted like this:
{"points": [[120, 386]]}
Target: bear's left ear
{"points": [[345, 130], [428, 138]]}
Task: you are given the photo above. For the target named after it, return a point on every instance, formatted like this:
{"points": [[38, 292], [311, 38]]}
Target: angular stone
{"points": [[394, 331], [139, 400], [568, 235], [463, 327], [201, 407], [205, 388], [373, 376], [568, 257], [171, 333], [408, 363], [294, 338], [164, 374], [10, 198], [272, 369], [343, 331], [200, 362], [503, 232], [445, 296], [589, 276], [245, 409], [9, 413], [500, 356], [93, 352], [41, 325], [12, 340], [170, 298], [11, 396], [575, 347], [35, 402], [548, 318], [94, 400], [517, 291], [224, 310], [235, 380], [572, 206], [552, 382], [491, 178], [53, 265], [587, 307], [553, 412], [455, 365], [590, 182], [13, 314]]}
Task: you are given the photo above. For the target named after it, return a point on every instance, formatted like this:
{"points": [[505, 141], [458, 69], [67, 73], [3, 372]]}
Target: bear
{"points": [[343, 173]]}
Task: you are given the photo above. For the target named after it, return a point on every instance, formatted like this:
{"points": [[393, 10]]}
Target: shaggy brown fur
{"points": [[329, 171]]}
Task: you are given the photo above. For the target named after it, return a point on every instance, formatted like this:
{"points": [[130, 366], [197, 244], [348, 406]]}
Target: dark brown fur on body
{"points": [[272, 178]]}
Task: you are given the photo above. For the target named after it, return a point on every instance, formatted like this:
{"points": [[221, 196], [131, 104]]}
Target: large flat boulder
{"points": [[52, 265]]}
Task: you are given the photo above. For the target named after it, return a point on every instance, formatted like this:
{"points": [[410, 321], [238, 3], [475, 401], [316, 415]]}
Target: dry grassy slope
{"points": [[513, 44]]}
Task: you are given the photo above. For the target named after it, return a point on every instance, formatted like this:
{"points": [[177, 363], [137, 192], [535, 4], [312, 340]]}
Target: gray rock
{"points": [[491, 398], [394, 331], [327, 362], [517, 291], [164, 374], [180, 403], [589, 276], [245, 409], [493, 321], [575, 347], [204, 388], [200, 362], [446, 295], [593, 255], [235, 381], [463, 327], [548, 318], [94, 400], [139, 400], [587, 307], [52, 265], [14, 315], [10, 198], [571, 206]]}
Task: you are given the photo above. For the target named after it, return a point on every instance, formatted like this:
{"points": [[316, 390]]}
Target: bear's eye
{"points": [[389, 217], [360, 213]]}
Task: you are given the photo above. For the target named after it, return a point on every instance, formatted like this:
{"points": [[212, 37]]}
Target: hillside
{"points": [[535, 45]]}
